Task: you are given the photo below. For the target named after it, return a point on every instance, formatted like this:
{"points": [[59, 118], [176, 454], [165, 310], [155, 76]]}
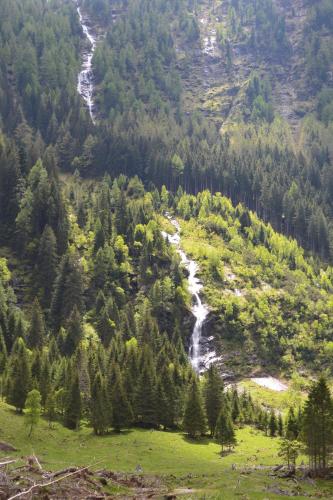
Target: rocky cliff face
{"points": [[216, 68]]}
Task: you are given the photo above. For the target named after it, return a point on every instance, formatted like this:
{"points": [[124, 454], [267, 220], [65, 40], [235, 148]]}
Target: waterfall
{"points": [[199, 310], [85, 84]]}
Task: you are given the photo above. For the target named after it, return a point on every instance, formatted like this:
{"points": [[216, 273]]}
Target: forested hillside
{"points": [[166, 231], [146, 125], [270, 305]]}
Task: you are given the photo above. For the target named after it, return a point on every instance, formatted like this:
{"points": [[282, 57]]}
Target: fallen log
{"points": [[7, 462], [49, 483], [64, 471]]}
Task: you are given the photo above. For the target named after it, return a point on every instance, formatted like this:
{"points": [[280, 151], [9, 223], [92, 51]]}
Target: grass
{"points": [[192, 467], [273, 399], [165, 224], [155, 451]]}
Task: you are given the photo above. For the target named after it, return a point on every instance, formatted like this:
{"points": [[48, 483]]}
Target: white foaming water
{"points": [[199, 310], [85, 84]]}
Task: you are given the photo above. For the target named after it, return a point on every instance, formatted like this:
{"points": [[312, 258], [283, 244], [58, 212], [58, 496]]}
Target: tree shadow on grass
{"points": [[202, 440], [226, 453], [123, 432]]}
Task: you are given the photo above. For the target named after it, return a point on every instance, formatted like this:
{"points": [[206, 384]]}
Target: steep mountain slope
{"points": [[270, 306], [125, 224], [237, 39], [153, 71]]}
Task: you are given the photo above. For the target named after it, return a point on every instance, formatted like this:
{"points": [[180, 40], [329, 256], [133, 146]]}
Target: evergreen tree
{"points": [[265, 422], [73, 405], [235, 408], [194, 422], [74, 332], [169, 400], [67, 291], [105, 327], [36, 368], [99, 236], [224, 431], [47, 264], [280, 425], [289, 451], [162, 405], [317, 425], [121, 408], [51, 407], [3, 353], [82, 364], [100, 409], [273, 425], [213, 397], [292, 425], [146, 399], [19, 375], [36, 335], [45, 380]]}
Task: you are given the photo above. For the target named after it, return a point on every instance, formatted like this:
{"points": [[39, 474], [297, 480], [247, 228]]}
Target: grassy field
{"points": [[278, 400], [192, 468]]}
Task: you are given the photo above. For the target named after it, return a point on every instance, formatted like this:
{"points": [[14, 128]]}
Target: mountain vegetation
{"points": [[264, 292], [214, 115]]}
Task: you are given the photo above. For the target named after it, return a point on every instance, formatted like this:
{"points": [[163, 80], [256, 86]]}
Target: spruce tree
{"points": [[194, 422], [173, 403], [47, 264], [292, 429], [82, 364], [51, 407], [100, 408], [73, 405], [280, 425], [122, 415], [146, 398], [213, 397], [36, 368], [317, 425], [67, 291], [105, 327], [74, 332], [99, 236], [45, 380], [289, 450], [273, 425], [36, 335], [3, 353], [131, 374], [19, 376], [224, 430], [235, 408], [265, 422], [7, 334], [162, 406]]}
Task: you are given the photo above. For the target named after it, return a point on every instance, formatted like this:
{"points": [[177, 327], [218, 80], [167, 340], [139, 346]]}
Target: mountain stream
{"points": [[200, 360]]}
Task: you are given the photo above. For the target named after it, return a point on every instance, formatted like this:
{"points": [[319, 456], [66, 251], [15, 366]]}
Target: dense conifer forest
{"points": [[166, 189]]}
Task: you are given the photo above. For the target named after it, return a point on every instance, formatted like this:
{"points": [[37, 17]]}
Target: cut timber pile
{"points": [[31, 481]]}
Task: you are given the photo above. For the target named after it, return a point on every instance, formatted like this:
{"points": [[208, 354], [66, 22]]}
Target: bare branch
{"points": [[49, 483]]}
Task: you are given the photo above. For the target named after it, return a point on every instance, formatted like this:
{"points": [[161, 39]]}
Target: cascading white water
{"points": [[85, 84], [199, 310]]}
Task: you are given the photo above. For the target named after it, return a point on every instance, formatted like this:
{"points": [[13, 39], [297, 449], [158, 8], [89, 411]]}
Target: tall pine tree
{"points": [[194, 422], [213, 397], [317, 425]]}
